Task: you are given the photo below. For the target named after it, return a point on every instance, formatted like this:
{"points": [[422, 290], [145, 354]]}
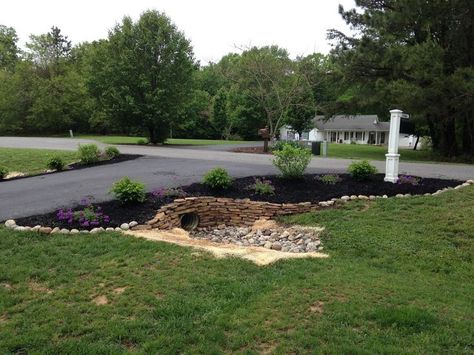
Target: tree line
{"points": [[144, 79]]}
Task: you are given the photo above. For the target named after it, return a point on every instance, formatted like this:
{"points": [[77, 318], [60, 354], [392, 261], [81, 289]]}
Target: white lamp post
{"points": [[392, 157]]}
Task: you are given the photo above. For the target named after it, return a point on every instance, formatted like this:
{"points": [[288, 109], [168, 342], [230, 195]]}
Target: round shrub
{"points": [[3, 172], [112, 152], [55, 163], [142, 141], [88, 153], [362, 170], [128, 191], [292, 161], [218, 178], [278, 145]]}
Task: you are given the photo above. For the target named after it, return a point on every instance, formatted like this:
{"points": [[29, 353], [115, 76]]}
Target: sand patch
{"points": [[119, 290], [7, 286], [14, 174], [37, 287], [317, 307], [258, 255], [100, 300]]}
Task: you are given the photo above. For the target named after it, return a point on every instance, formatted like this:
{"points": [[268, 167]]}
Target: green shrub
{"points": [[278, 145], [112, 152], [128, 191], [362, 170], [292, 161], [56, 163], [263, 187], [88, 153], [3, 172], [329, 179], [142, 141], [218, 178]]}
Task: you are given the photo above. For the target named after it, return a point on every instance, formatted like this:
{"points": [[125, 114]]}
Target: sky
{"points": [[214, 27]]}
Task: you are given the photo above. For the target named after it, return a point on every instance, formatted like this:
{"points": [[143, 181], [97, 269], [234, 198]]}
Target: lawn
{"points": [[398, 280], [371, 152], [31, 161], [173, 141]]}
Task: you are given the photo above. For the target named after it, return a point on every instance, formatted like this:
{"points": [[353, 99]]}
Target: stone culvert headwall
{"points": [[214, 211]]}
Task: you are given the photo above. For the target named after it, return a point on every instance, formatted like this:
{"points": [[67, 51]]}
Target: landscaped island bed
{"points": [[308, 189]]}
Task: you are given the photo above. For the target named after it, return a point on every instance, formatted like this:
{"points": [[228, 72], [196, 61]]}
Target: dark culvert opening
{"points": [[189, 221]]}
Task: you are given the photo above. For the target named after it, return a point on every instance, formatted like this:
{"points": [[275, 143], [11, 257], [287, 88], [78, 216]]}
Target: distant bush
{"points": [[218, 178], [292, 161], [362, 170], [128, 191], [88, 153], [112, 152], [263, 187], [56, 163], [329, 179], [142, 141], [3, 172], [278, 145]]}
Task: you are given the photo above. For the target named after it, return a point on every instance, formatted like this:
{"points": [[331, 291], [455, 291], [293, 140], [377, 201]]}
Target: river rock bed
{"points": [[293, 239]]}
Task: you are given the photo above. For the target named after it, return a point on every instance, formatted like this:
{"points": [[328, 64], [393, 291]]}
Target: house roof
{"points": [[351, 123]]}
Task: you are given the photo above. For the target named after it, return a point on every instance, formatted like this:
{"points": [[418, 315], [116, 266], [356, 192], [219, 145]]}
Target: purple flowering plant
{"points": [[162, 192], [408, 179], [89, 216]]}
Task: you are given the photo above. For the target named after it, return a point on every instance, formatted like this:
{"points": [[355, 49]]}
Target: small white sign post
{"points": [[392, 157]]}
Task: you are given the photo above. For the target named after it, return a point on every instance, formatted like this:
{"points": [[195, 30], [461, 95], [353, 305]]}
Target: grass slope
{"points": [[31, 161], [173, 141], [399, 280]]}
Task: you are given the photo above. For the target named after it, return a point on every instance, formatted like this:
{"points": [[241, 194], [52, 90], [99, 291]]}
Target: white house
{"points": [[360, 129]]}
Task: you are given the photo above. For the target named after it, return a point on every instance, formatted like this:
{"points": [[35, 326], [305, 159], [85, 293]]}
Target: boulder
{"points": [[125, 226], [45, 230], [10, 223]]}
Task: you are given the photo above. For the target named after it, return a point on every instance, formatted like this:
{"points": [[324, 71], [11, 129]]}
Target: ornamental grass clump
{"points": [[292, 161], [88, 153], [362, 170], [129, 191], [55, 163], [218, 178], [112, 152], [329, 179], [3, 172]]}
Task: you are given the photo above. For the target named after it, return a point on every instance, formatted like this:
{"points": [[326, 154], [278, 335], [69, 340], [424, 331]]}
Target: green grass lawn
{"points": [[31, 161], [398, 280], [177, 141], [371, 152]]}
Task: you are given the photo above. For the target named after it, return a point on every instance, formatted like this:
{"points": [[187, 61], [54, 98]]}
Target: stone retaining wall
{"points": [[214, 211]]}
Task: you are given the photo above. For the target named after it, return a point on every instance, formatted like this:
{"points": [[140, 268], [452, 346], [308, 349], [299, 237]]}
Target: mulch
{"points": [[78, 166], [308, 189]]}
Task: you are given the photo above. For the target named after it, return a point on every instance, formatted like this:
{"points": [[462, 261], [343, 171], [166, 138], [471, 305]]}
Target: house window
{"points": [[305, 135], [352, 135], [359, 136], [382, 138], [346, 136], [290, 135]]}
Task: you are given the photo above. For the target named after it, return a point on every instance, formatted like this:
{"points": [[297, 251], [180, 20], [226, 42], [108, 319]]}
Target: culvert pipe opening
{"points": [[189, 221]]}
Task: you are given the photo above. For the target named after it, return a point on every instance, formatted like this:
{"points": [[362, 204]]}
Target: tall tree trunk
{"points": [[416, 142], [152, 134]]}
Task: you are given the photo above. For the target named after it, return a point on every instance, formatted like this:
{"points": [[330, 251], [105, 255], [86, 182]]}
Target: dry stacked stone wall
{"points": [[213, 211]]}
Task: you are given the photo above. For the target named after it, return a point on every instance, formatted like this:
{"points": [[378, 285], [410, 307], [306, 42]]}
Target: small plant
{"points": [[88, 153], [263, 187], [112, 152], [292, 161], [218, 178], [362, 170], [142, 141], [408, 179], [3, 172], [174, 192], [329, 179], [56, 163], [278, 145], [90, 216], [128, 191]]}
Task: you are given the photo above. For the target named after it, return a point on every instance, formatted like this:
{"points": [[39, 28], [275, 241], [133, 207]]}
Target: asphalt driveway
{"points": [[160, 167]]}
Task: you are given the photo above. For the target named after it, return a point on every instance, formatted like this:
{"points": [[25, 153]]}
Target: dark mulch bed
{"points": [[78, 166], [307, 189]]}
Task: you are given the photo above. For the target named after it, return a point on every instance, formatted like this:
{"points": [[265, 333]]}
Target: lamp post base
{"points": [[391, 167]]}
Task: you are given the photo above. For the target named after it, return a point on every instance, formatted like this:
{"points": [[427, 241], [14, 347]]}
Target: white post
{"points": [[71, 134], [392, 157]]}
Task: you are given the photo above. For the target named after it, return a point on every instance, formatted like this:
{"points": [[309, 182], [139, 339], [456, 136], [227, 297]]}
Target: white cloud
{"points": [[214, 27]]}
